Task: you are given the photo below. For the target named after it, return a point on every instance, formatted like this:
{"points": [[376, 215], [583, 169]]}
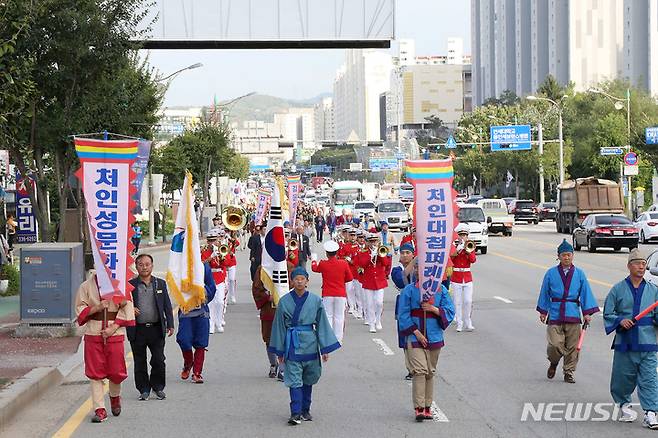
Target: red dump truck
{"points": [[583, 196]]}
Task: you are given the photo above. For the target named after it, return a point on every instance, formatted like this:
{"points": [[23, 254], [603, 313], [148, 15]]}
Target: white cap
{"points": [[461, 228], [331, 246], [213, 233]]}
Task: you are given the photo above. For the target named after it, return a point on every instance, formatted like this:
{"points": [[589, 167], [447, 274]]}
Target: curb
{"points": [[32, 385]]}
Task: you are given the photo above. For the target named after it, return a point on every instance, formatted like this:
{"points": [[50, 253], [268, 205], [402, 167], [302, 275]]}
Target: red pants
{"points": [[105, 360]]}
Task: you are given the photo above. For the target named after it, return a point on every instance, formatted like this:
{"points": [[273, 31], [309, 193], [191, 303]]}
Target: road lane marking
{"points": [[439, 416], [535, 265], [504, 300], [82, 413], [382, 346]]}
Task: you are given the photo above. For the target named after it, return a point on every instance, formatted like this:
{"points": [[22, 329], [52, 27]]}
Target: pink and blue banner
{"points": [[139, 168], [26, 231], [294, 187], [435, 216], [264, 196], [106, 175]]}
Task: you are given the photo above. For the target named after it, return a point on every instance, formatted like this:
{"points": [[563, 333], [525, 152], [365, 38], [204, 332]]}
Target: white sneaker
{"points": [[379, 326], [365, 322], [220, 330], [233, 300], [373, 329], [628, 415], [212, 332], [470, 329], [224, 322], [459, 328], [650, 420]]}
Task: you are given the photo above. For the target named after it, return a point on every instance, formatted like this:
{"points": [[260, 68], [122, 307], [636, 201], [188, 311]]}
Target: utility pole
{"points": [[151, 210], [540, 140]]}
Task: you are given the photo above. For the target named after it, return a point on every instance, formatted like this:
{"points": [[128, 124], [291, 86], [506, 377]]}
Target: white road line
{"points": [[504, 300], [439, 416], [382, 346]]}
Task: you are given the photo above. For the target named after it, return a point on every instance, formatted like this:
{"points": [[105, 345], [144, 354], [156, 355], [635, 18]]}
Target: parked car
{"points": [[473, 199], [524, 210], [647, 224], [478, 232], [651, 274], [546, 211], [406, 194], [395, 213], [605, 230], [362, 208], [499, 220]]}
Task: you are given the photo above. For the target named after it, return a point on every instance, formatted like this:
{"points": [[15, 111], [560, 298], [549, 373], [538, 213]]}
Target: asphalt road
{"points": [[484, 377]]}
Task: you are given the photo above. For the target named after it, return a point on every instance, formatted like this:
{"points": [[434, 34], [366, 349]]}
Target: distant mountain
{"points": [[263, 107]]}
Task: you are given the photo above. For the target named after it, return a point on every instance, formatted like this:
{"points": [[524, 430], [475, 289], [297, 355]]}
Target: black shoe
{"points": [[272, 373], [144, 395], [279, 376], [408, 377], [306, 416], [569, 378], [161, 395], [295, 420], [550, 373]]}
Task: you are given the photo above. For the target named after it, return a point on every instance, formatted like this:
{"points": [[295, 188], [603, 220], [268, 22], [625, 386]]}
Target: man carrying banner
{"points": [[104, 337], [301, 335], [402, 276], [565, 294], [421, 328], [634, 362]]}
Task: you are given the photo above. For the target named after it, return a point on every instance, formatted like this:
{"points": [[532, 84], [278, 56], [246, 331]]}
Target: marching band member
{"points": [[357, 283], [104, 338], [264, 303], [336, 275], [346, 251], [301, 335], [375, 279], [194, 330], [565, 293], [387, 238], [231, 265], [210, 254], [634, 362], [422, 326], [462, 280]]}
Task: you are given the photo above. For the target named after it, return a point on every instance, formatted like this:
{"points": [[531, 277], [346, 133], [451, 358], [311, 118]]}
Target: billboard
{"points": [[382, 164], [26, 231], [651, 135], [510, 138]]}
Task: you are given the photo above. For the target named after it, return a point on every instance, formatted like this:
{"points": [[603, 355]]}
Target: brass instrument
{"points": [[383, 251], [293, 244], [223, 250], [470, 246], [234, 217]]}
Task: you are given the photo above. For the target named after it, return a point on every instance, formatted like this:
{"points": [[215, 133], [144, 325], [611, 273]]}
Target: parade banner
{"points": [[185, 273], [294, 184], [435, 215], [274, 268], [26, 231], [264, 195], [139, 168], [106, 176]]}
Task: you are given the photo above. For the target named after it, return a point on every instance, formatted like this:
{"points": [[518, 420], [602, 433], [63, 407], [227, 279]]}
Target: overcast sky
{"points": [[301, 74]]}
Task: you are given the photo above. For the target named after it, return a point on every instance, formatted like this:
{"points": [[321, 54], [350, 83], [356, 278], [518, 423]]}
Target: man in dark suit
{"points": [[154, 319], [304, 246], [255, 245]]}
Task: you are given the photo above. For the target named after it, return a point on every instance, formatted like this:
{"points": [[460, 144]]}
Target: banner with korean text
{"points": [[139, 167], [264, 195], [435, 215], [294, 186], [106, 175], [27, 230]]}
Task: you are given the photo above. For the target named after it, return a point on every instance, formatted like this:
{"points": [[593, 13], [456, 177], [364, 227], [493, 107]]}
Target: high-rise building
{"points": [[517, 43], [325, 121], [357, 88]]}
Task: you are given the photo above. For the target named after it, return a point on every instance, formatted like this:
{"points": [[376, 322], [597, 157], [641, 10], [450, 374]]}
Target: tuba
{"points": [[234, 217]]}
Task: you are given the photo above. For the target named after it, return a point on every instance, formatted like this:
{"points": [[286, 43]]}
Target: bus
{"points": [[345, 194]]}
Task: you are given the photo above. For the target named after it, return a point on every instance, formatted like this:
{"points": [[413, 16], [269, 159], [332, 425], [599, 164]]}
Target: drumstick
{"points": [[644, 313], [582, 336]]}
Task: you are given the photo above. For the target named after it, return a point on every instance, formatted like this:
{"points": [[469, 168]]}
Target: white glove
{"points": [[314, 257], [460, 247]]}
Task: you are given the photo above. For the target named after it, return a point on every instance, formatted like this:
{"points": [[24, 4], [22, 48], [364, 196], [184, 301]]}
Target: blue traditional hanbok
{"points": [[564, 296], [634, 362], [300, 334]]}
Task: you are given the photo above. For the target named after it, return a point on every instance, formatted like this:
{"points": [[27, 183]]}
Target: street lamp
{"points": [[189, 67], [559, 108], [619, 105]]}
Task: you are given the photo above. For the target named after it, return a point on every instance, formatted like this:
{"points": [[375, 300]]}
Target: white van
{"points": [[499, 220], [478, 231]]}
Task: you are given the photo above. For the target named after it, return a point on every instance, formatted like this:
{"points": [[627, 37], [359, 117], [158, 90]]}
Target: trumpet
{"points": [[383, 251], [293, 245], [234, 217], [223, 250], [470, 246]]}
